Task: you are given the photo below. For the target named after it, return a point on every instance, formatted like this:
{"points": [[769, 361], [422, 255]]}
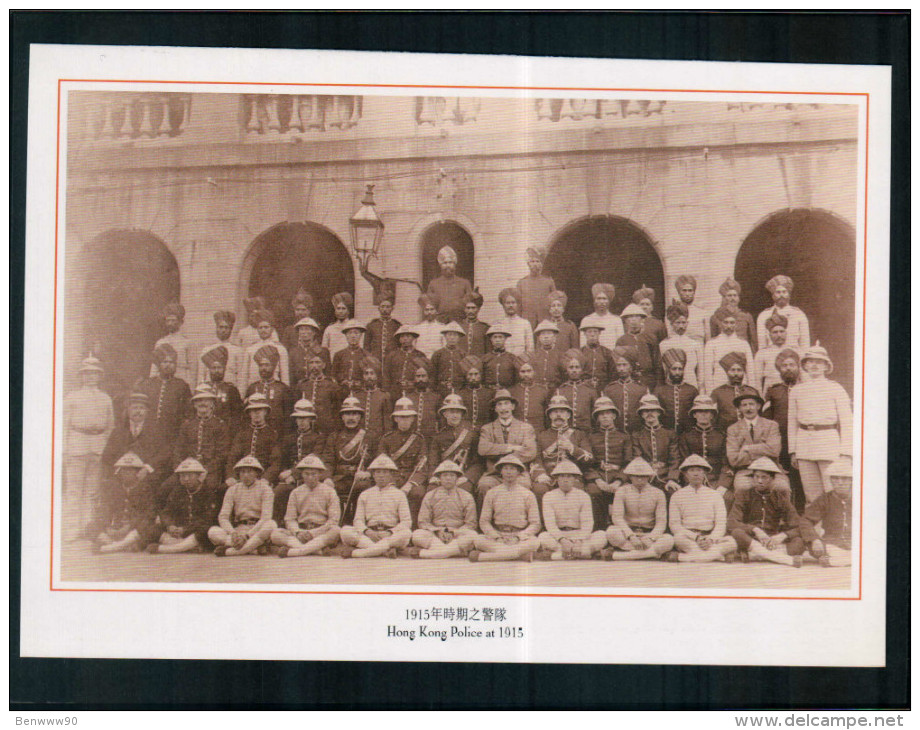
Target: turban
{"points": [[475, 297], [509, 292], [522, 360], [573, 354], [672, 356], [343, 298], [175, 309], [779, 280], [732, 358], [267, 353], [260, 316], [254, 303], [629, 353], [557, 296], [470, 362], [723, 312], [785, 355], [643, 293], [536, 252], [164, 350], [420, 362], [425, 299], [370, 361], [215, 355], [683, 280], [302, 297], [607, 289], [224, 315], [446, 254], [677, 309], [729, 284], [776, 320]]}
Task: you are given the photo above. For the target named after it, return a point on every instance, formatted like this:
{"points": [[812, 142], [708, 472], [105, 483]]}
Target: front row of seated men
{"points": [[693, 526]]}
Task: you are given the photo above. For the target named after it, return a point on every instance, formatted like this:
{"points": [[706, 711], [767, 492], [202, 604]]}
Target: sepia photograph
{"points": [[570, 339]]}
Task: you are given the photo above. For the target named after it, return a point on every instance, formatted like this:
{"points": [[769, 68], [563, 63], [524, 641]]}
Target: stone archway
{"points": [[289, 256], [608, 249], [817, 250], [128, 276], [446, 233]]}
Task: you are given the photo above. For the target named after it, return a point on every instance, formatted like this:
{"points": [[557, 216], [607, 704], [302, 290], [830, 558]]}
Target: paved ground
{"points": [[79, 564]]}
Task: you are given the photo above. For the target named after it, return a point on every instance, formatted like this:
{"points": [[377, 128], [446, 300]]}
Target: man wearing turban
{"points": [[744, 322], [535, 288], [449, 290], [224, 320], [228, 405], [798, 334], [611, 325], [173, 318], [264, 324], [721, 345], [697, 317], [168, 396]]}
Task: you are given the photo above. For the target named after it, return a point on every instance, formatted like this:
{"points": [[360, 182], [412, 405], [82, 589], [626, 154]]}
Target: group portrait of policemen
{"points": [[711, 436]]}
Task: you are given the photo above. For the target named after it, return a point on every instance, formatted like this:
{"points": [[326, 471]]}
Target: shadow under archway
{"points": [[289, 256], [817, 250], [604, 249], [128, 277], [446, 233]]}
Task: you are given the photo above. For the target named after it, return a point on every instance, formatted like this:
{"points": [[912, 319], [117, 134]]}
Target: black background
{"points": [[805, 38]]}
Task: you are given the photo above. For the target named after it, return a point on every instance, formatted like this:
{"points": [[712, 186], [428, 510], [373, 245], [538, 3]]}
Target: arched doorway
{"points": [[817, 251], [289, 256], [446, 233], [604, 249], [129, 277]]}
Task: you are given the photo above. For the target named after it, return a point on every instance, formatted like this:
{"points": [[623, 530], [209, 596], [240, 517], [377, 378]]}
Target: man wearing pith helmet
{"points": [[382, 522], [639, 517], [400, 364], [762, 520], [311, 519], [204, 436], [348, 452], [505, 436], [656, 444], [708, 442], [820, 423], [445, 362], [346, 363], [610, 448], [244, 523], [128, 516], [510, 517], [560, 442], [568, 517], [191, 509], [447, 518], [258, 439], [409, 450], [833, 511], [697, 518], [457, 440], [303, 441]]}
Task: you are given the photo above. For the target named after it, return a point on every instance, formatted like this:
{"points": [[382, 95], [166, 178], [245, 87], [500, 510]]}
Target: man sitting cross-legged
{"points": [[697, 518], [447, 518], [569, 518], [639, 514], [382, 524], [128, 521], [510, 518], [245, 521], [190, 509], [763, 521], [834, 512], [311, 522]]}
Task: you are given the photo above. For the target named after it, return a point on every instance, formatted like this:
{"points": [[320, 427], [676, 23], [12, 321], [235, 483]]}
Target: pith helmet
{"points": [[497, 329], [130, 460], [649, 402], [353, 324], [351, 405], [191, 465], [840, 468], [566, 467], [633, 310], [256, 401], [818, 353], [312, 461], [303, 409], [558, 402], [250, 462], [764, 463], [704, 403], [639, 467], [510, 459], [204, 392], [546, 326], [404, 407], [452, 327], [448, 466], [383, 462], [405, 329], [604, 404], [452, 402], [695, 460], [308, 322], [90, 364]]}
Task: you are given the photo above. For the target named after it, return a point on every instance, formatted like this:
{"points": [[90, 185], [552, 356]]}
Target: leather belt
{"points": [[811, 427]]}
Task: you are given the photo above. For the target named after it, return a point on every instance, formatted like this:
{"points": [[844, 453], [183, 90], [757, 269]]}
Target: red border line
{"points": [[51, 586]]}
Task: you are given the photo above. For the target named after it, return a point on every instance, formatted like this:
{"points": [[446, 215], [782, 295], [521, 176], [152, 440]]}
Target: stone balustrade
{"points": [[439, 111], [281, 114], [128, 116]]}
